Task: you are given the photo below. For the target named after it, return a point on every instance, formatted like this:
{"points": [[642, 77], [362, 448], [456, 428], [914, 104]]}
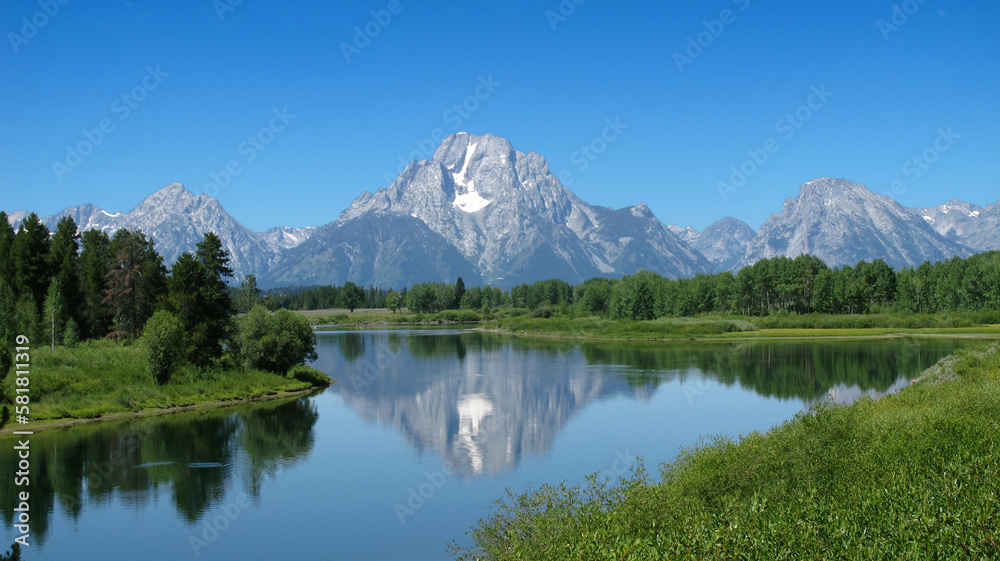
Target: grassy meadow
{"points": [[97, 378]]}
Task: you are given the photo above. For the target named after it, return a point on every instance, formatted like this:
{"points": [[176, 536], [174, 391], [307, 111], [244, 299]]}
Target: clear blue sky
{"points": [[221, 78]]}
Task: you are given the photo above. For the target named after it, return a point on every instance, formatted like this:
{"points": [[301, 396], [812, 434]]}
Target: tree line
{"points": [[63, 287], [802, 285]]}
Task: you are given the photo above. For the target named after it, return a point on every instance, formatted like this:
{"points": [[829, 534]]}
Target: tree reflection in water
{"points": [[195, 455]]}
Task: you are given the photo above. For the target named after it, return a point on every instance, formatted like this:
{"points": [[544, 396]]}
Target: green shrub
{"points": [[468, 316], [542, 312], [71, 335], [512, 312], [310, 375], [448, 315], [165, 342], [274, 341]]}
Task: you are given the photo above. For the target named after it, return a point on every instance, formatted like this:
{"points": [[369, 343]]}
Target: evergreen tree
{"points": [[8, 308], [63, 256], [219, 307], [30, 256], [198, 296], [248, 295], [6, 246], [8, 330], [94, 265], [135, 282], [189, 298], [459, 293]]}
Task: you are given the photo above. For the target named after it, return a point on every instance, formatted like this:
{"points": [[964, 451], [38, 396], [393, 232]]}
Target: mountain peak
{"points": [[830, 186], [174, 196], [175, 189], [510, 218], [842, 222], [641, 210]]}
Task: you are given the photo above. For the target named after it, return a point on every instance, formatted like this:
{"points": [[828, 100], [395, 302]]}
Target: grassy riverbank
{"points": [[711, 328], [782, 326], [906, 477], [520, 322], [104, 378]]}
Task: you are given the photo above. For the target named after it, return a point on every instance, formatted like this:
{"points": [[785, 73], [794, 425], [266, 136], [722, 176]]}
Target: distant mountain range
{"points": [[494, 215]]}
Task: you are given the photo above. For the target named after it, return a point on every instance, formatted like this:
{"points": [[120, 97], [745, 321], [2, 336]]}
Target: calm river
{"points": [[424, 429]]}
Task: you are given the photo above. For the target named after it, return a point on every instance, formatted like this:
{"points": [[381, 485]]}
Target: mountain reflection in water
{"points": [[483, 402]]}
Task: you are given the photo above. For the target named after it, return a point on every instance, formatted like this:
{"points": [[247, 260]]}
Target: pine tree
{"points": [[218, 311], [94, 265], [135, 282], [459, 292], [8, 308], [63, 255], [30, 258], [248, 295], [198, 296], [6, 246]]}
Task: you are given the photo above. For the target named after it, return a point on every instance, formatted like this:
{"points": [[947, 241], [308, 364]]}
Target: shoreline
{"points": [[66, 422], [743, 337]]}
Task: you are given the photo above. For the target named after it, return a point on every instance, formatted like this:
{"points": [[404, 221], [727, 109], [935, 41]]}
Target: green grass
{"points": [[910, 476], [381, 316], [625, 329], [786, 326], [944, 320], [97, 378]]}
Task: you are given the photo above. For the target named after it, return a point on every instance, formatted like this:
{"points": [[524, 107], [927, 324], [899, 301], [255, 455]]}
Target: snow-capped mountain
{"points": [[843, 222], [985, 234], [482, 210], [953, 219], [965, 223], [176, 219], [284, 237], [499, 210]]}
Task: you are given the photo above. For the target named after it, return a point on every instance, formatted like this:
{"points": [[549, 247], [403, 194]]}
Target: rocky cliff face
{"points": [[842, 223], [484, 211], [176, 219], [509, 218], [985, 235], [965, 223], [723, 243]]}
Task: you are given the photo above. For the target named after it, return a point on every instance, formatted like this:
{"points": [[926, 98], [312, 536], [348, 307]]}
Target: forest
{"points": [[781, 285]]}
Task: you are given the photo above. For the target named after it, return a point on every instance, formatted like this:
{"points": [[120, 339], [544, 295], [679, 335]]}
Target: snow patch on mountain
{"points": [[470, 201]]}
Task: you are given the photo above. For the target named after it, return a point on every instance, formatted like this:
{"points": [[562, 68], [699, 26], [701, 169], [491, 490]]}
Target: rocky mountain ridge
{"points": [[480, 209]]}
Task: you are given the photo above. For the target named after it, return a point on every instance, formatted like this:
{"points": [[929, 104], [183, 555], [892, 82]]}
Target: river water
{"points": [[422, 432]]}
